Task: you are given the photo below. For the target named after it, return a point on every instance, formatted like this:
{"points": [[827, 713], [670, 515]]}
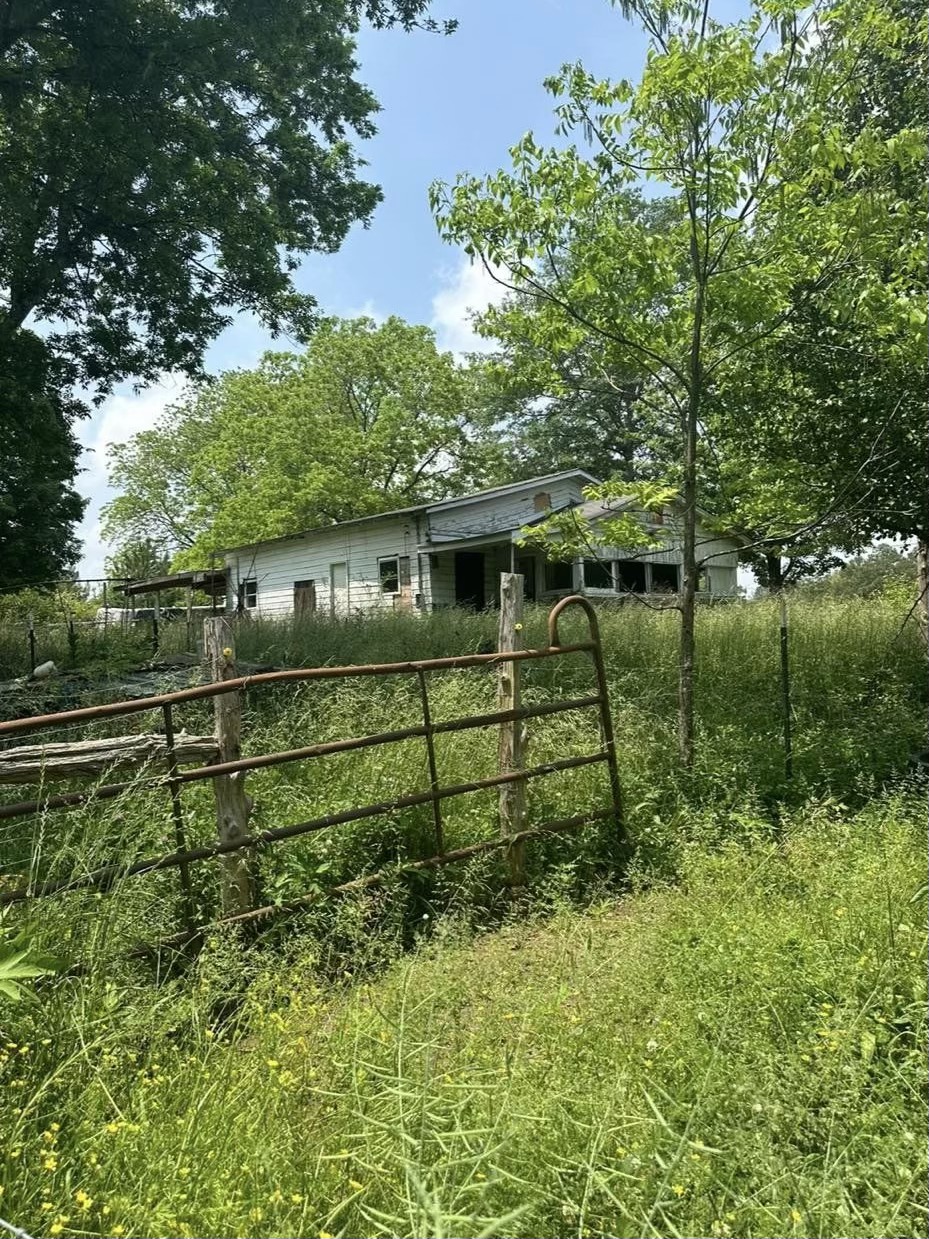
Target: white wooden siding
{"points": [[276, 566]]}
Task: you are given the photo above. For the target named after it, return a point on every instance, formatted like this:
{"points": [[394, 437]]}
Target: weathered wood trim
{"points": [[38, 763]]}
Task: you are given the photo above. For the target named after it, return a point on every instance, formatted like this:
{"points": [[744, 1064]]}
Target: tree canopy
{"points": [[366, 419], [164, 164], [739, 126], [39, 506]]}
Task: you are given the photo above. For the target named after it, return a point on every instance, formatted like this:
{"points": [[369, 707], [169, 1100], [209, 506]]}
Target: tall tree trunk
{"points": [[774, 571], [685, 717], [922, 585]]}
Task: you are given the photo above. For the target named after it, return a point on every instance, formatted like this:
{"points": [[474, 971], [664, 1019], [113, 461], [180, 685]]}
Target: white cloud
{"points": [[466, 290], [368, 310], [120, 416]]}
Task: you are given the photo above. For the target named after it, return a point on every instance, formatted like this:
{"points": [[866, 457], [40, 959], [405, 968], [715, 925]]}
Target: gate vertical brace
{"points": [[433, 767], [177, 815]]}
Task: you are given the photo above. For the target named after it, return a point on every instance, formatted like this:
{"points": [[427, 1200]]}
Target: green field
{"points": [[727, 1038]]}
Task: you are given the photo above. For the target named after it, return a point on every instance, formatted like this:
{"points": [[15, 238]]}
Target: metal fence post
{"points": [[512, 745], [785, 686], [233, 806]]}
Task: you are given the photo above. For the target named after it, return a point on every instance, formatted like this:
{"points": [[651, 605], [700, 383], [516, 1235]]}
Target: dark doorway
{"points": [[304, 598], [525, 565], [469, 579]]}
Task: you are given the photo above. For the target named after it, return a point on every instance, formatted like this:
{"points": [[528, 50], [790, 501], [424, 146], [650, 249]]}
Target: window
{"points": [[542, 501], [598, 574], [657, 517], [250, 593], [394, 573], [630, 576], [665, 579], [559, 575], [389, 570]]}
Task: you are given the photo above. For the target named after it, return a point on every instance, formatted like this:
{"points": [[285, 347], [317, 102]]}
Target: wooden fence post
{"points": [[233, 806], [512, 747]]}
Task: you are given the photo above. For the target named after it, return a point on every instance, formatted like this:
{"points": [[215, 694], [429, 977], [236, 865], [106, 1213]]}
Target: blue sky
{"points": [[448, 105]]}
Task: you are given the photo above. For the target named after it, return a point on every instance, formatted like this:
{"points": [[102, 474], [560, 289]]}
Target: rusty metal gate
{"points": [[175, 779]]}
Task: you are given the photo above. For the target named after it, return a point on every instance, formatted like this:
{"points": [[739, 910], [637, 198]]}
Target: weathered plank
{"points": [[35, 763], [233, 806], [512, 745]]}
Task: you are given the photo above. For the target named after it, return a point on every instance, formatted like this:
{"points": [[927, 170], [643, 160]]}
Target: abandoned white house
{"points": [[452, 552]]}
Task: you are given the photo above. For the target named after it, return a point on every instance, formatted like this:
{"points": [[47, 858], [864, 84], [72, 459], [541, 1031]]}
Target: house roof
{"points": [[210, 580], [440, 505]]}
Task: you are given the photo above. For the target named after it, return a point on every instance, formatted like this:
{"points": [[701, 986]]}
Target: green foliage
{"points": [[771, 298], [166, 164], [19, 963], [39, 506], [883, 572], [366, 419], [621, 522], [138, 561]]}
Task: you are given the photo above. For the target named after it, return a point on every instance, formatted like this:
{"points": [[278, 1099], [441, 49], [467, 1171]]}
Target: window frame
{"points": [[250, 591], [382, 561], [551, 587], [602, 565], [619, 564], [675, 568]]}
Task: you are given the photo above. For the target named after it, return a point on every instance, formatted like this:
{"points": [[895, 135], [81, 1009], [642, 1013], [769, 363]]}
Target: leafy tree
{"points": [[557, 407], [140, 560], [166, 163], [38, 504], [883, 571], [368, 418], [740, 128]]}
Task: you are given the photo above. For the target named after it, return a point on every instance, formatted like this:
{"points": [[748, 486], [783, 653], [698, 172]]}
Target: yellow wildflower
{"points": [[678, 1189], [83, 1200]]}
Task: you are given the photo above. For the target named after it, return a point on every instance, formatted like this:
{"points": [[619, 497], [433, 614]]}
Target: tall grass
{"points": [[741, 1055], [859, 699], [733, 1049]]}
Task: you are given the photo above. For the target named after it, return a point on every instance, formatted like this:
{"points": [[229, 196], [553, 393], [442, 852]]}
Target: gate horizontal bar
{"points": [[325, 749], [202, 691], [270, 911], [108, 874]]}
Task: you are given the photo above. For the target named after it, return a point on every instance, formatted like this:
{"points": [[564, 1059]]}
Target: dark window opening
{"points": [[630, 576], [250, 593], [598, 574], [389, 570], [542, 501], [665, 578], [559, 575]]}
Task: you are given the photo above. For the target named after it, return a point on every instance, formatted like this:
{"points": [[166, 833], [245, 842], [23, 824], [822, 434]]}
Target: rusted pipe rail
{"points": [[273, 910], [108, 874], [324, 749], [200, 692]]}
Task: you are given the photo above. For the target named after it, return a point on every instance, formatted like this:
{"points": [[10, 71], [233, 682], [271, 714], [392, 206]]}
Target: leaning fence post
{"points": [[512, 747], [232, 804], [31, 644]]}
